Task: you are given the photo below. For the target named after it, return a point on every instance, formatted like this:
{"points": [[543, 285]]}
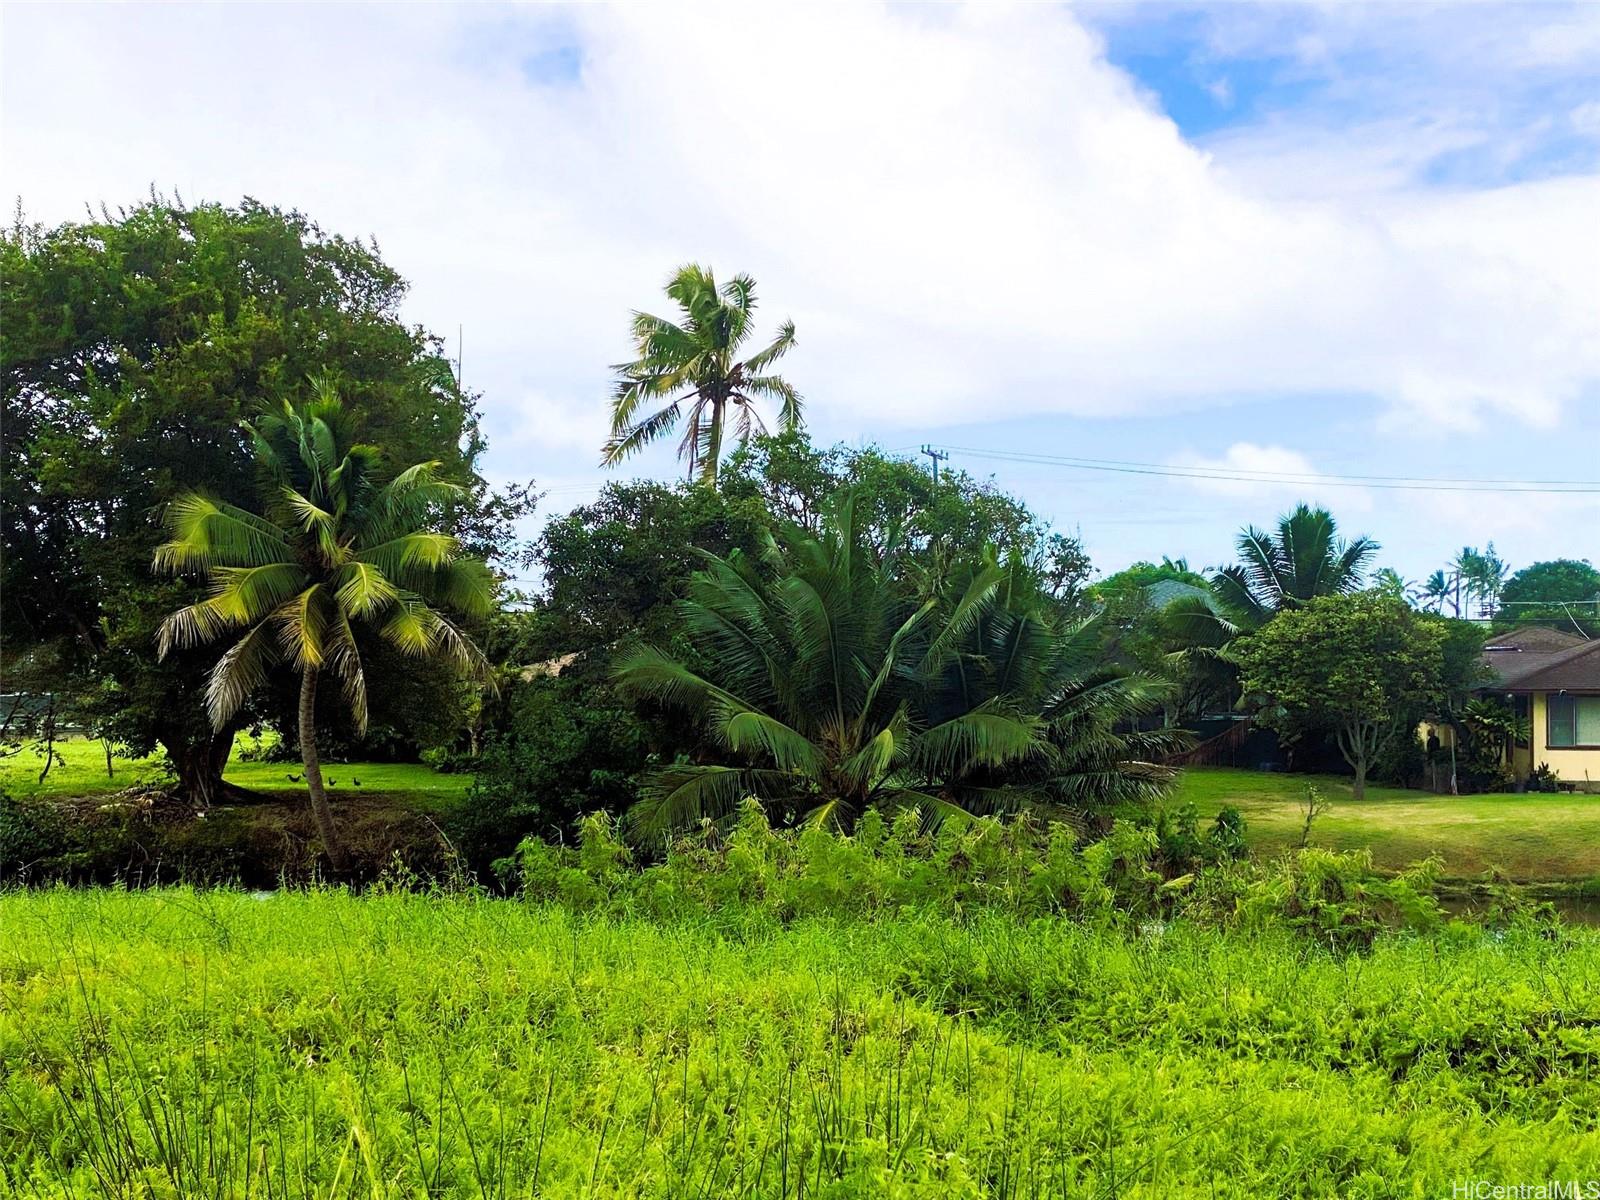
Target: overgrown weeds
{"points": [[175, 1043]]}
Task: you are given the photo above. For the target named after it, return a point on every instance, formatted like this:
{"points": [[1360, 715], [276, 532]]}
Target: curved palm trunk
{"points": [[320, 812]]}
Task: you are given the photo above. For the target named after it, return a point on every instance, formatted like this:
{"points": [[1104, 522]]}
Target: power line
{"points": [[1565, 487]]}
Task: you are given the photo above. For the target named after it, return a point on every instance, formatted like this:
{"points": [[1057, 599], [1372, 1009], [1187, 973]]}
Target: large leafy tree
{"points": [[131, 349], [837, 676], [1562, 591], [336, 546], [943, 521], [1300, 560], [1361, 667], [693, 364]]}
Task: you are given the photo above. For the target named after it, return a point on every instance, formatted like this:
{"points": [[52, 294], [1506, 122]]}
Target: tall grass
{"points": [[218, 1044]]}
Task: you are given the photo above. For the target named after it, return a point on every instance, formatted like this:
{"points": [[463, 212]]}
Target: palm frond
{"points": [[746, 731], [344, 657], [208, 533], [679, 797], [986, 737], [240, 671], [417, 550], [362, 589], [302, 624]]}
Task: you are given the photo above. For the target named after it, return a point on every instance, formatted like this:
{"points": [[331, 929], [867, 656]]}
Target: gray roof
{"points": [[1543, 660]]}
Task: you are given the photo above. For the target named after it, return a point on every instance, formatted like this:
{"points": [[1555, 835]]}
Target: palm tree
{"points": [[1303, 559], [838, 677], [1436, 589], [1095, 757], [1481, 575], [336, 547], [694, 363]]}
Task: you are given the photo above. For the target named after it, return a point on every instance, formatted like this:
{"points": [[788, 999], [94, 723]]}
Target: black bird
{"points": [[294, 778]]}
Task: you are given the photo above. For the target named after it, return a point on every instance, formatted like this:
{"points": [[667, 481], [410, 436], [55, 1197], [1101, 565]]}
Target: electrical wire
{"points": [[1572, 487]]}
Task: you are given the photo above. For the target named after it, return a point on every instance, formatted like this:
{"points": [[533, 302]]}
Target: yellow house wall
{"points": [[1571, 766]]}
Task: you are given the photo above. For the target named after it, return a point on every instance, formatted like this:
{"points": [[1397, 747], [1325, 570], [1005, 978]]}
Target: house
{"points": [[1553, 679]]}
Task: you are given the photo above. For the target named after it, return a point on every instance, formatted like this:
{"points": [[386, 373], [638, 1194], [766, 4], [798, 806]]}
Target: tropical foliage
{"points": [[133, 344], [340, 545], [1363, 668], [1301, 559], [692, 364], [837, 676]]}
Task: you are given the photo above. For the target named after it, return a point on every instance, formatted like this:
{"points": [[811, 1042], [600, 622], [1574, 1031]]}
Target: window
{"points": [[1574, 721]]}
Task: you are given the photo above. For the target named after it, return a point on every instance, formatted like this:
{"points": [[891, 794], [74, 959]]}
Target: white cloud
{"points": [[1269, 473], [969, 213]]}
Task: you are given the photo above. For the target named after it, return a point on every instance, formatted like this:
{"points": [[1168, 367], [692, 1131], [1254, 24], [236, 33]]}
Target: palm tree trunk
{"points": [[320, 812], [713, 446]]}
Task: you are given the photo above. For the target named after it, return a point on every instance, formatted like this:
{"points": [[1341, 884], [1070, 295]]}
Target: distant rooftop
{"points": [[1538, 659]]}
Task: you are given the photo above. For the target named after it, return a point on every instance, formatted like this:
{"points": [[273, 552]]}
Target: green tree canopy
{"points": [[1362, 667], [1563, 591], [340, 543], [943, 522], [131, 349]]}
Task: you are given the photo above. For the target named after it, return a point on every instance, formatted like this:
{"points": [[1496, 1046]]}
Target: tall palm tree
{"points": [[1480, 577], [836, 678], [1437, 589], [694, 363], [1302, 559], [337, 546]]}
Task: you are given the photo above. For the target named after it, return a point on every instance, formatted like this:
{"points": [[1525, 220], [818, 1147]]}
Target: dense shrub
{"points": [[1020, 867], [558, 746], [31, 836]]}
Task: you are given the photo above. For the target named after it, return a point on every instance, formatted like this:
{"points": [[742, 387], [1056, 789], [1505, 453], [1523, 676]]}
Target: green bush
{"points": [[558, 746], [31, 836], [1543, 778], [1021, 868]]}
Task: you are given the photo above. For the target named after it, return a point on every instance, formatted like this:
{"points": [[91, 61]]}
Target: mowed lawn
{"points": [[1530, 838], [82, 772]]}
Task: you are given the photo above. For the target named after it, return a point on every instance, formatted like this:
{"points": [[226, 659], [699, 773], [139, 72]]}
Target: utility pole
{"points": [[938, 456]]}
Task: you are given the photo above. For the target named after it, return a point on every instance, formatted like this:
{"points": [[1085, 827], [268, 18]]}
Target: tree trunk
{"points": [[199, 765], [320, 812], [1358, 744]]}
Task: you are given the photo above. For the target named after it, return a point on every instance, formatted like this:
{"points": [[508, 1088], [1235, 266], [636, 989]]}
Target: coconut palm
{"points": [[1481, 576], [694, 364], [337, 546], [1437, 589], [838, 677], [1302, 559]]}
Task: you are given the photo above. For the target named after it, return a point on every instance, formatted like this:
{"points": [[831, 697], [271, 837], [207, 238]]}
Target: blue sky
{"points": [[1317, 239]]}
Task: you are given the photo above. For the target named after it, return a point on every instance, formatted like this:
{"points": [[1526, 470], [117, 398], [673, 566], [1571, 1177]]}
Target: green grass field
{"points": [[1530, 838], [82, 772], [180, 1043]]}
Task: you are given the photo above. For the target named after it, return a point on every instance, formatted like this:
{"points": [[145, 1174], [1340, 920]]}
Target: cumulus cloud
{"points": [[969, 212]]}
